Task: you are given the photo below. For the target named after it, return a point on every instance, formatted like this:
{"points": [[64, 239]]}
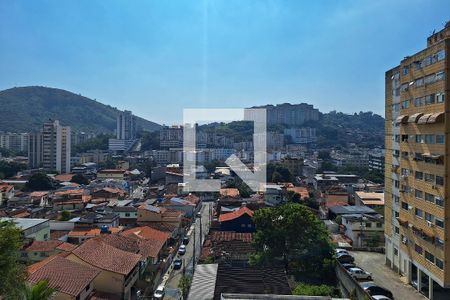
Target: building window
{"points": [[440, 55], [419, 82], [418, 249], [405, 104], [440, 139], [404, 138], [127, 214], [395, 251], [420, 101], [429, 197], [440, 75], [440, 97], [429, 257], [439, 201], [405, 70], [439, 180], [419, 139], [418, 194], [405, 205], [439, 264], [429, 177], [418, 175], [439, 222], [379, 225], [429, 138], [429, 217], [439, 243], [419, 213], [396, 230]]}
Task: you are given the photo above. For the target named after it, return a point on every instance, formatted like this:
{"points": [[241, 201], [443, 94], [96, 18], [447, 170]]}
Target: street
{"points": [[172, 291], [384, 276]]}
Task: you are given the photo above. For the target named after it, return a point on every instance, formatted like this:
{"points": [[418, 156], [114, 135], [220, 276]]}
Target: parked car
{"points": [[199, 215], [380, 297], [372, 289], [177, 263], [348, 266], [340, 250], [359, 274], [345, 258], [182, 250], [185, 240], [159, 293]]}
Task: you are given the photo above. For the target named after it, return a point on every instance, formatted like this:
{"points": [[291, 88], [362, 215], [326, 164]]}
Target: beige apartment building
{"points": [[417, 167]]}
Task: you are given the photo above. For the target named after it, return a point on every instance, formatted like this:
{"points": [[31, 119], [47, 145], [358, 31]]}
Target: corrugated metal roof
{"points": [[204, 282]]}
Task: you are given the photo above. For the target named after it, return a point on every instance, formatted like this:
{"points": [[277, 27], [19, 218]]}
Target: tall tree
{"points": [[292, 235], [80, 179], [184, 285], [39, 291], [12, 272], [39, 182]]}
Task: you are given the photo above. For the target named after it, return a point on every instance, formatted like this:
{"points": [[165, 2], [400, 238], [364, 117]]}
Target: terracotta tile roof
{"points": [[146, 232], [38, 194], [163, 226], [44, 246], [91, 232], [229, 192], [302, 191], [5, 188], [22, 215], [64, 177], [63, 275], [219, 236], [67, 247], [236, 214], [56, 234], [192, 198], [106, 257]]}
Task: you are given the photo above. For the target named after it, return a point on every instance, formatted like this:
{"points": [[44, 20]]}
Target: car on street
{"points": [[372, 289], [340, 250], [177, 263], [345, 258], [185, 240], [199, 215], [182, 250], [360, 274], [348, 266], [380, 297], [159, 293]]}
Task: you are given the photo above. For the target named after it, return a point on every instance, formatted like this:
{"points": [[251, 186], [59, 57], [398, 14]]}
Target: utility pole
{"points": [[193, 257], [201, 235]]}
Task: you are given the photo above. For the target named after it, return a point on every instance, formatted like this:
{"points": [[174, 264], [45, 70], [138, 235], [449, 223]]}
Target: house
{"points": [[238, 221], [79, 235], [119, 269], [301, 191], [35, 229], [336, 211], [71, 280], [227, 245], [188, 208], [150, 213], [147, 233], [40, 197], [39, 250], [93, 219], [229, 193], [371, 199], [364, 230], [6, 193], [116, 174], [108, 193], [64, 177], [127, 215], [273, 196]]}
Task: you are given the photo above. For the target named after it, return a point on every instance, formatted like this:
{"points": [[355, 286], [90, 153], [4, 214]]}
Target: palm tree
{"points": [[39, 291]]}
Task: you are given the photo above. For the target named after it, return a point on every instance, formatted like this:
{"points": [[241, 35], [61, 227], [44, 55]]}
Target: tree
{"points": [[65, 215], [39, 291], [80, 179], [292, 196], [316, 290], [276, 177], [9, 169], [39, 182], [184, 285], [12, 272], [292, 235]]}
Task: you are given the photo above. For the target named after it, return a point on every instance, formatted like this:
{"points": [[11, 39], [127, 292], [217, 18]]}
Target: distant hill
{"points": [[24, 109]]}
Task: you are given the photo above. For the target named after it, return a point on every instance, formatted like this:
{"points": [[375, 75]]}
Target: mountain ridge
{"points": [[26, 108]]}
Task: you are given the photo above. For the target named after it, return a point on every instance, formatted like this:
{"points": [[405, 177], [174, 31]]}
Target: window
{"points": [[419, 139], [403, 88], [439, 243], [405, 104], [429, 138], [379, 225], [427, 80], [419, 101], [439, 201], [397, 138], [404, 137], [429, 177], [419, 82], [439, 222], [404, 205], [368, 225], [419, 213], [418, 194], [440, 75], [418, 175], [429, 256], [440, 55], [440, 97], [396, 153], [395, 251], [396, 214], [418, 65], [429, 217], [439, 264], [439, 139], [429, 197], [439, 180], [405, 70], [45, 236], [396, 107], [396, 230], [418, 249], [127, 214]]}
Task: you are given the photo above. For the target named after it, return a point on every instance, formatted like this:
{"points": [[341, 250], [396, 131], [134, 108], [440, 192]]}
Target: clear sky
{"points": [[158, 57]]}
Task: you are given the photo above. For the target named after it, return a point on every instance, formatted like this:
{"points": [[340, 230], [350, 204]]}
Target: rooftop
{"points": [[25, 223], [236, 214]]}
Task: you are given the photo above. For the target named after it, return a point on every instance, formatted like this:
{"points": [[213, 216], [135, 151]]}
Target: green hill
{"points": [[24, 109]]}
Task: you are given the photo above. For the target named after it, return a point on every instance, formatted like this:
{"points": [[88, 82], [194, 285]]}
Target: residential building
{"points": [[237, 221], [416, 142], [50, 148], [17, 142], [304, 135], [39, 250], [171, 136], [289, 114], [376, 162], [364, 230], [370, 199], [293, 164], [126, 126], [33, 229]]}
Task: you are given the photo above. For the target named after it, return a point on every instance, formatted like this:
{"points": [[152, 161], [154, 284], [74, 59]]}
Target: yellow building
{"points": [[417, 134]]}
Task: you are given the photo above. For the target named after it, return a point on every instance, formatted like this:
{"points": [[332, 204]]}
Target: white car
{"points": [[340, 250], [182, 250], [159, 293], [380, 297], [359, 273]]}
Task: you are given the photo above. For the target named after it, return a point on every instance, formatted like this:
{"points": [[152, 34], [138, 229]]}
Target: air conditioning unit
{"points": [[410, 207]]}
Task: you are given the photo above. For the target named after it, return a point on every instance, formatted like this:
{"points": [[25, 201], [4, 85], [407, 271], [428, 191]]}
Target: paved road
{"points": [[384, 276], [172, 291]]}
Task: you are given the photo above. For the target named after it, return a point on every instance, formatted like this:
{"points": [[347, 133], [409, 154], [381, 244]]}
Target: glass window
{"points": [[440, 75], [440, 97], [419, 213], [439, 201], [419, 82], [368, 225], [439, 222], [440, 139], [429, 177], [439, 264], [440, 55], [439, 243], [429, 138], [429, 79], [429, 197], [429, 256], [418, 249], [419, 139], [429, 217], [419, 175], [439, 180], [405, 70], [418, 194], [405, 104], [404, 205]]}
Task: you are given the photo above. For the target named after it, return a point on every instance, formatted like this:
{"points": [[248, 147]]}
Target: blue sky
{"points": [[158, 57]]}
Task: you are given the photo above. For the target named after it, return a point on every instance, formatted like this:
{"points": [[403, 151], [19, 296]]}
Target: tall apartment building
{"points": [[126, 126], [290, 114], [17, 142], [417, 166], [171, 136], [50, 148]]}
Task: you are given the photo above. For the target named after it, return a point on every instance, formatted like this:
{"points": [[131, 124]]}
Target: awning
{"points": [[426, 154], [436, 156], [401, 119], [436, 118], [414, 118], [423, 119]]}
